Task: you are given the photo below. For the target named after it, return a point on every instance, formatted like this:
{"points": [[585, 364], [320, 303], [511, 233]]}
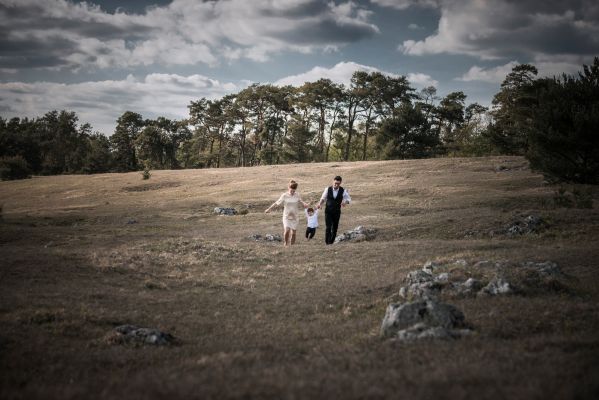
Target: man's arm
{"points": [[323, 198], [346, 197]]}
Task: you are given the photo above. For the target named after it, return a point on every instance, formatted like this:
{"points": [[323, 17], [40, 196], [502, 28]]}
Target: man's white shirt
{"points": [[346, 198]]}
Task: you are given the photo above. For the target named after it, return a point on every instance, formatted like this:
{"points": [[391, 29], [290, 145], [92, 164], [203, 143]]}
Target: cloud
{"points": [[415, 27], [505, 29], [61, 34], [491, 75], [546, 68], [404, 4], [421, 80], [342, 72], [101, 103]]}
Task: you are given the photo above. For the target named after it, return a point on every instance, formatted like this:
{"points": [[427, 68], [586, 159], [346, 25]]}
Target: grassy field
{"points": [[81, 255]]}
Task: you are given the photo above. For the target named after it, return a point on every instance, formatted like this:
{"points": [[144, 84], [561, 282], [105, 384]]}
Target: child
{"points": [[312, 217]]}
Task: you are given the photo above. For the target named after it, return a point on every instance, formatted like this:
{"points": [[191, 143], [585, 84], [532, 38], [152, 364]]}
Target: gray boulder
{"points": [[496, 287], [545, 269], [422, 319], [130, 334], [528, 225], [269, 237], [358, 234], [225, 211]]}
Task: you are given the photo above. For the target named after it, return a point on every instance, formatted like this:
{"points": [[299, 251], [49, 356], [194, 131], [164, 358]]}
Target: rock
{"points": [[473, 284], [545, 269], [130, 334], [273, 238], [528, 225], [442, 278], [418, 276], [358, 234], [225, 211], [430, 267], [420, 284], [421, 331], [496, 287], [267, 238], [422, 319], [468, 288]]}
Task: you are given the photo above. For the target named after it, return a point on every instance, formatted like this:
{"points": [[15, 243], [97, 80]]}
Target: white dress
{"points": [[290, 210]]}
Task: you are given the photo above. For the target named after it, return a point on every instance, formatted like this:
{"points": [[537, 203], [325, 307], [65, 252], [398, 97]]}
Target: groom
{"points": [[335, 197]]}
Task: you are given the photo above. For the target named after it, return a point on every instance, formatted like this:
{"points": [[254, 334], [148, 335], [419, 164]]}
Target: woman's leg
{"points": [[286, 236], [292, 236]]}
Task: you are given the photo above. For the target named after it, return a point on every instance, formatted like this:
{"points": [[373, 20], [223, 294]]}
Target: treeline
{"points": [[551, 121]]}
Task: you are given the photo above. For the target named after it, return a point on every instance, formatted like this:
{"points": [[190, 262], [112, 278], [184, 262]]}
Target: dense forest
{"points": [[554, 122]]}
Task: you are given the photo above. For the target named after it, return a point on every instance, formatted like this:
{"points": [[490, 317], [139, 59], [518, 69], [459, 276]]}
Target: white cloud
{"points": [[491, 75], [342, 72], [504, 29], [404, 4], [421, 80], [339, 73], [101, 103], [546, 68], [63, 34]]}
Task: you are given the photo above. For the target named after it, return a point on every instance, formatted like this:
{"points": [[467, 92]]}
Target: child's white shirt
{"points": [[312, 220]]}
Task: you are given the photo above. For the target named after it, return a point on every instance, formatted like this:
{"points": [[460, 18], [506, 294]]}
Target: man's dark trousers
{"points": [[331, 217]]}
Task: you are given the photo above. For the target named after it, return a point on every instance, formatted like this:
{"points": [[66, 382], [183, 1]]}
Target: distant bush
{"points": [[12, 168], [573, 197], [146, 174]]}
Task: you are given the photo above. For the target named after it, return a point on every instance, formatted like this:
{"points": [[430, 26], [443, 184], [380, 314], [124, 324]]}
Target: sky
{"points": [[101, 58]]}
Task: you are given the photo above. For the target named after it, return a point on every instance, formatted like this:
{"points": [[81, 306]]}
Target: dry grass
{"points": [[83, 254]]}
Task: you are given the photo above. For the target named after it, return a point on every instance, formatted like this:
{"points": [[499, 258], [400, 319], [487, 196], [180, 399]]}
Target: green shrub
{"points": [[573, 197], [146, 174], [12, 168]]}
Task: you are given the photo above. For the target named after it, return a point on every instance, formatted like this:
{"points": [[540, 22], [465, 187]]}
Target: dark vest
{"points": [[334, 204]]}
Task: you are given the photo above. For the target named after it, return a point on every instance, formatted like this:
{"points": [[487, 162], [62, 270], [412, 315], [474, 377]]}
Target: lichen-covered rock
{"points": [[422, 319], [430, 267], [528, 225], [358, 234], [546, 269], [496, 287], [225, 211], [130, 334], [269, 237]]}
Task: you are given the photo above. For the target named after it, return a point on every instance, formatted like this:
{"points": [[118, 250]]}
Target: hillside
{"points": [[82, 255]]}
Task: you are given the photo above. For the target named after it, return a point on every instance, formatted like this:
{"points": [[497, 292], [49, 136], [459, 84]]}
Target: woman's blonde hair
{"points": [[292, 184]]}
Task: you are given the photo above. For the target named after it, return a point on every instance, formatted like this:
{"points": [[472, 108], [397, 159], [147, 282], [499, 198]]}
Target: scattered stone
{"points": [[430, 267], [423, 319], [267, 238], [358, 234], [273, 238], [497, 286], [546, 269], [225, 211], [473, 285], [529, 225], [130, 334]]}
